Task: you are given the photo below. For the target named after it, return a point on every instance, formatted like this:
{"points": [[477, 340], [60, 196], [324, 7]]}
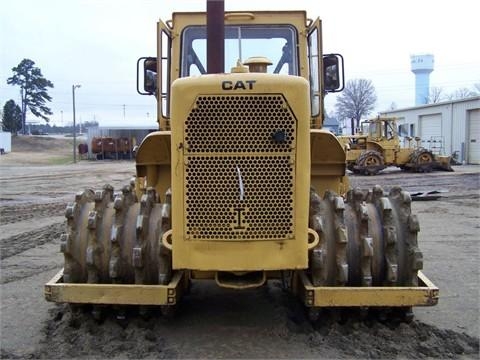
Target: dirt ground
{"points": [[220, 323]]}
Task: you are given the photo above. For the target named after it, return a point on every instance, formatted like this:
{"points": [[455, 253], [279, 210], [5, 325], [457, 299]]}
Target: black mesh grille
{"points": [[239, 172], [239, 124]]}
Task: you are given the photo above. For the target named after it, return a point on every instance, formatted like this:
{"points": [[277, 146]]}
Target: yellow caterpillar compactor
{"points": [[240, 184], [378, 146]]}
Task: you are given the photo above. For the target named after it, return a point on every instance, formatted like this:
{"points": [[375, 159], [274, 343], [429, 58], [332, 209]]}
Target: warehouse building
{"points": [[449, 128]]}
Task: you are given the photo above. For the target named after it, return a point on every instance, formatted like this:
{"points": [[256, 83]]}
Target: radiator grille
{"points": [[239, 124], [239, 172]]}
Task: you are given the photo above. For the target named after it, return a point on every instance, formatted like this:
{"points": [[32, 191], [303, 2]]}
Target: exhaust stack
{"points": [[215, 36]]}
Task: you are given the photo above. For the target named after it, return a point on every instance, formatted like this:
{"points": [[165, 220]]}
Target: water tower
{"points": [[422, 66]]}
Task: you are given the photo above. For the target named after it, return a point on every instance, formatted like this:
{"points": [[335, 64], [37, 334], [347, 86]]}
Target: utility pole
{"points": [[74, 125]]}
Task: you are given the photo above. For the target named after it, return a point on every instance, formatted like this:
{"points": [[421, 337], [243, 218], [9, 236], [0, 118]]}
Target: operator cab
{"points": [[291, 43], [277, 43]]}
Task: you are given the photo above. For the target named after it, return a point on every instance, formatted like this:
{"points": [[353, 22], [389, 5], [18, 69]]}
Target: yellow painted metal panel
{"points": [[327, 167], [424, 295], [121, 294], [154, 149], [153, 162], [248, 254]]}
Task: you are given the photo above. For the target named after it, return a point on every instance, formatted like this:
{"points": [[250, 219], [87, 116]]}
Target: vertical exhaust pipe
{"points": [[215, 36]]}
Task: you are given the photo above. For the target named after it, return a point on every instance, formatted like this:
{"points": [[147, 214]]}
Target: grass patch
{"points": [[60, 160]]}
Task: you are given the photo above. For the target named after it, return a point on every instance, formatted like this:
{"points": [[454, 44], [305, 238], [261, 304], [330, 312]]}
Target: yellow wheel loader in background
{"points": [[240, 185], [378, 146]]}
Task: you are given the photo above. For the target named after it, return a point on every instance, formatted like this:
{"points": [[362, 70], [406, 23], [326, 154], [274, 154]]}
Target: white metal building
{"points": [[445, 127], [5, 142]]}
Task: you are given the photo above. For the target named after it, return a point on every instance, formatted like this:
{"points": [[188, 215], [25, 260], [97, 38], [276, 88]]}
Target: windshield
{"points": [[277, 43], [373, 129]]}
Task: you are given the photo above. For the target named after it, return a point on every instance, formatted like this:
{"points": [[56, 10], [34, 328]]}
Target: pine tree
{"points": [[11, 117], [33, 89]]}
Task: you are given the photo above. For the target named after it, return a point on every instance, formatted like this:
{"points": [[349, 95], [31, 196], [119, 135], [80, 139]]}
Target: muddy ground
{"points": [[219, 323]]}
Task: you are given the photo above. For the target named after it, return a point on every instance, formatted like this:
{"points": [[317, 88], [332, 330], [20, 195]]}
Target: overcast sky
{"points": [[96, 43]]}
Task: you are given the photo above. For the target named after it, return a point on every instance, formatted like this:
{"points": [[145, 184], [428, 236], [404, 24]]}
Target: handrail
{"points": [[239, 15]]}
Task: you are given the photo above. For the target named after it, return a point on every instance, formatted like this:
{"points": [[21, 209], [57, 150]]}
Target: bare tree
{"points": [[436, 95], [477, 88], [357, 100], [462, 93]]}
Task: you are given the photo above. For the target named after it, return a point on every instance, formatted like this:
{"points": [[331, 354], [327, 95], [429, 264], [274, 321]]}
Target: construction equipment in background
{"points": [[111, 148], [378, 146], [240, 185]]}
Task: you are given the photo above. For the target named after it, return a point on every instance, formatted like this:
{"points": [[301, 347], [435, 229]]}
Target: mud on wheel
{"points": [[370, 162], [422, 160], [114, 237], [370, 239]]}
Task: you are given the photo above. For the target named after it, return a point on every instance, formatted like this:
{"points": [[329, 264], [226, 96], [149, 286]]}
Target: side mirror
{"points": [[333, 72], [149, 75]]}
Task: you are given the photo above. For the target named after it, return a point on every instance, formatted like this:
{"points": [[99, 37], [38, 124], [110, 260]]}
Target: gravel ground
{"points": [[220, 323]]}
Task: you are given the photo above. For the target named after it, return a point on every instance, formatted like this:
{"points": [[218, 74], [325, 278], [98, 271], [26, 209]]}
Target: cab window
{"points": [[277, 43]]}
